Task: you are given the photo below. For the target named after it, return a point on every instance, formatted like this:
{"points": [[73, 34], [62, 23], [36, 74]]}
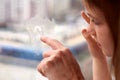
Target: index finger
{"points": [[83, 14], [54, 44]]}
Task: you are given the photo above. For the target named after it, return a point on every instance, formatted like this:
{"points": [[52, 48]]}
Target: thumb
{"points": [[93, 45]]}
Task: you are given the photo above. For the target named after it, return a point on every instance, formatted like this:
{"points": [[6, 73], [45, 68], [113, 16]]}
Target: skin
{"points": [[99, 30], [59, 63], [100, 42]]}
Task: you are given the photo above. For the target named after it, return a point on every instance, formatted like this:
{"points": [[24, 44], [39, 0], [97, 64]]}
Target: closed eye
{"points": [[95, 22]]}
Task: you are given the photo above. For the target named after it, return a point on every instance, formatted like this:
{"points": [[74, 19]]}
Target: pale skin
{"points": [[59, 63], [100, 42]]}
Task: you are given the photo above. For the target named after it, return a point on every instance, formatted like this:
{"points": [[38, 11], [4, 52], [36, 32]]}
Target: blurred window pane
{"points": [[22, 22]]}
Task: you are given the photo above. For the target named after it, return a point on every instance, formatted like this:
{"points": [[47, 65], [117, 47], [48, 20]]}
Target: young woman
{"points": [[103, 38]]}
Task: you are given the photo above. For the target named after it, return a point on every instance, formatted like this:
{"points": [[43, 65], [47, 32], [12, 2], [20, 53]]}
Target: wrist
{"points": [[100, 57]]}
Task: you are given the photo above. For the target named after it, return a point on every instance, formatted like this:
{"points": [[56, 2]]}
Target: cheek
{"points": [[106, 42]]}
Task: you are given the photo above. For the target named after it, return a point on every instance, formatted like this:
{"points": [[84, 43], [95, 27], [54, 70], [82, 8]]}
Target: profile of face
{"points": [[99, 30]]}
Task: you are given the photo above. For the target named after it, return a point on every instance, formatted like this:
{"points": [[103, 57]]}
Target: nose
{"points": [[91, 31]]}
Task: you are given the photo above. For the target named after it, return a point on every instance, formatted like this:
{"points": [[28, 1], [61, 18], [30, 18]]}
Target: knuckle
{"points": [[57, 60], [38, 68], [41, 69], [50, 63], [53, 62], [45, 53], [59, 53], [63, 52], [51, 40], [54, 40], [65, 49]]}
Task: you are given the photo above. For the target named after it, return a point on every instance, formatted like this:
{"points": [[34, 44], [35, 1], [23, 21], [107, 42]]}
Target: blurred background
{"points": [[22, 22]]}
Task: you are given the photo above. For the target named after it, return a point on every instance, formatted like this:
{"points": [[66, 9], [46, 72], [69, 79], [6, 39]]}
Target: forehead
{"points": [[94, 11]]}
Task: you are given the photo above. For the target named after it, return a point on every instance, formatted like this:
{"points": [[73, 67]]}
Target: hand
{"points": [[59, 63], [100, 67], [93, 45]]}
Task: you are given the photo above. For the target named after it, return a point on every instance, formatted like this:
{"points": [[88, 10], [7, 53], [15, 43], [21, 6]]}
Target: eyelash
{"points": [[95, 22]]}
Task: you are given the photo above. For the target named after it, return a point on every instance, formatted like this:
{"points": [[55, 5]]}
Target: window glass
{"points": [[22, 22]]}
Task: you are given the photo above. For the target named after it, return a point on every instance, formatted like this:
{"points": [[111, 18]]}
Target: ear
{"points": [[87, 19]]}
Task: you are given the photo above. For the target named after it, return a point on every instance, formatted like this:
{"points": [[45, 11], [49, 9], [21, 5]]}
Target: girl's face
{"points": [[99, 29]]}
